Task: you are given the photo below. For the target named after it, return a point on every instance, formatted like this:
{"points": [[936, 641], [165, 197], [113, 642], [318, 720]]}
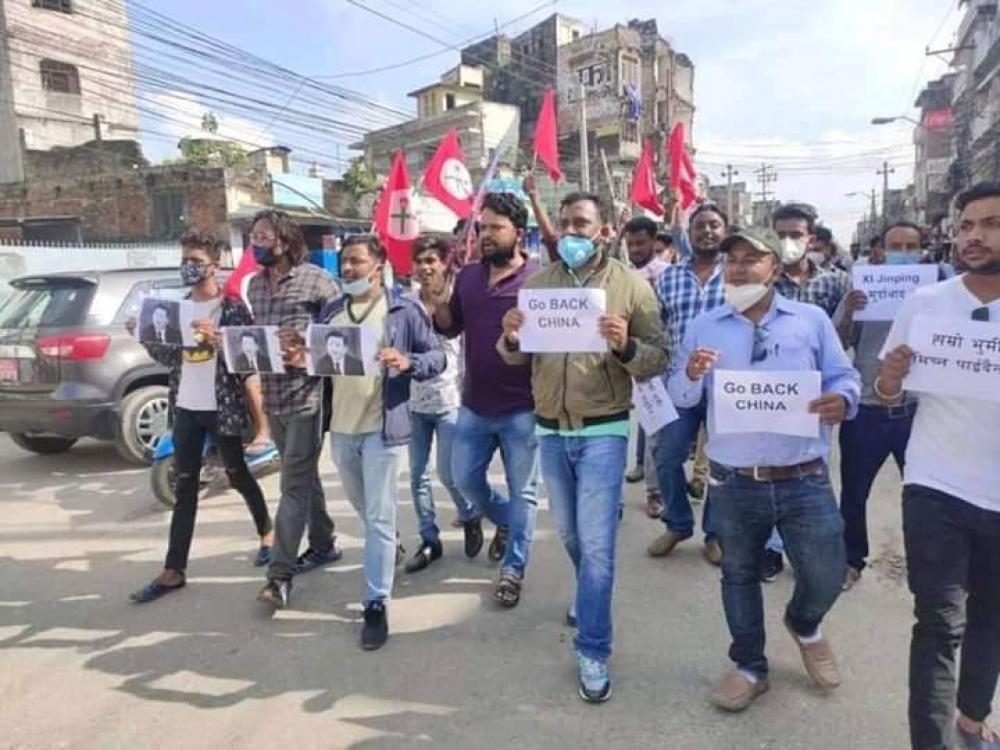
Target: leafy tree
{"points": [[206, 152], [359, 180]]}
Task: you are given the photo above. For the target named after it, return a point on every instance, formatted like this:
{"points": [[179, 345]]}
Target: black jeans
{"points": [[953, 558], [190, 430]]}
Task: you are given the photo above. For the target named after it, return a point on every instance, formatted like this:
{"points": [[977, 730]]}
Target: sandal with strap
{"points": [[507, 591]]}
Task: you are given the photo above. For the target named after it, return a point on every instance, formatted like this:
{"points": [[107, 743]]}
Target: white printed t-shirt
{"points": [[955, 443], [196, 391]]}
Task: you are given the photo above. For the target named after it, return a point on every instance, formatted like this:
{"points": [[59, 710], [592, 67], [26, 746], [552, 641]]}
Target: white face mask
{"points": [[741, 298], [817, 257], [791, 251]]}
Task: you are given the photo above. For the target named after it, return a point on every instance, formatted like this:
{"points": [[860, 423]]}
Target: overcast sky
{"points": [[794, 83]]}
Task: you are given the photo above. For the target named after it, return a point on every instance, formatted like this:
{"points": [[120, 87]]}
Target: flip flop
{"points": [[153, 591]]}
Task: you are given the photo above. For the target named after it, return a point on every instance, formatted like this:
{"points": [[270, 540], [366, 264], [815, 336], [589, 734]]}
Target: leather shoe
{"points": [[819, 661], [423, 557], [473, 531], [498, 547], [713, 553], [664, 544], [737, 691]]}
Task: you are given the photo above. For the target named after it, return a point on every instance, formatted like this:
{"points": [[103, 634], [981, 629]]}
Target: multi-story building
{"points": [[985, 129], [742, 202], [933, 142], [65, 77]]}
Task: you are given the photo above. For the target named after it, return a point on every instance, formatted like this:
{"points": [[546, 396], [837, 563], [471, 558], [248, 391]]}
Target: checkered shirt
{"points": [[824, 288], [683, 298]]}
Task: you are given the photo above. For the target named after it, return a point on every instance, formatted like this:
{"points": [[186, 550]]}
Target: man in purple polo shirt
{"points": [[497, 407]]}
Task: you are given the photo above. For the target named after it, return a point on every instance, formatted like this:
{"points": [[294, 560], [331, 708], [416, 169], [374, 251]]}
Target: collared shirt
{"points": [[299, 297], [799, 337], [823, 288], [683, 298], [490, 387]]}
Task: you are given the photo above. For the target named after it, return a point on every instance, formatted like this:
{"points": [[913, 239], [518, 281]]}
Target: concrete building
{"points": [[65, 77], [742, 209], [933, 142], [985, 128]]}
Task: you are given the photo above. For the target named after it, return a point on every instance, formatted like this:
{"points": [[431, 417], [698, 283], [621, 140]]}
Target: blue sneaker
{"points": [[595, 682], [311, 559]]}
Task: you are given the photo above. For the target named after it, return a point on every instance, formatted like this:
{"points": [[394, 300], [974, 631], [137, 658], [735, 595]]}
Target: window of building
{"points": [[576, 34], [169, 213], [629, 72], [59, 77], [449, 101], [63, 6]]}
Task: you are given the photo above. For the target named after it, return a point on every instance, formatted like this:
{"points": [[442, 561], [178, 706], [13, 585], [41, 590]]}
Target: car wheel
{"points": [[161, 479], [43, 445], [142, 421]]}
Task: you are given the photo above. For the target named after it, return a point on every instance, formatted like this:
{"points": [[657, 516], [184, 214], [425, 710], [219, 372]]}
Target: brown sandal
{"points": [[507, 591]]}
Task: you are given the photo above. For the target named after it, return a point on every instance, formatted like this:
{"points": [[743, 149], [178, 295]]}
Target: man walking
{"points": [[582, 409], [288, 292], [687, 289], [761, 480], [951, 502], [370, 419], [497, 407]]}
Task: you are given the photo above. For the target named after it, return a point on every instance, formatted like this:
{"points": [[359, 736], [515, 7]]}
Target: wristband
{"points": [[885, 396]]}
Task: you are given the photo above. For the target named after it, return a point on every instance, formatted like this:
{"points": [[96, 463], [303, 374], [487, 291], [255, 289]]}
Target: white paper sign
{"points": [[347, 351], [955, 357], [653, 407], [761, 401], [562, 320], [166, 322], [887, 286], [252, 349]]}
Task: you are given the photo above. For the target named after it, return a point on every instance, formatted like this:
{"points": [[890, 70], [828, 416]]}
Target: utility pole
{"points": [[584, 147], [729, 174], [765, 176], [885, 172]]}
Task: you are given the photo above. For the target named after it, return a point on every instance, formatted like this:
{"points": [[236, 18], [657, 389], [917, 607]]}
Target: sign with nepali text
{"points": [[653, 407], [761, 401], [955, 357], [562, 320], [887, 286]]}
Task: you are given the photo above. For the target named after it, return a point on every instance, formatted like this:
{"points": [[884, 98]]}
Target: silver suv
{"points": [[68, 369]]}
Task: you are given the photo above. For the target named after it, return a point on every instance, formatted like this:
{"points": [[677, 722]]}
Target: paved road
{"points": [[80, 667]]}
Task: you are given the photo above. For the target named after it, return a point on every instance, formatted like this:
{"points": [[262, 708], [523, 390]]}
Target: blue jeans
{"points": [[584, 479], [865, 443], [671, 448], [369, 472], [424, 427], [805, 512], [476, 440]]}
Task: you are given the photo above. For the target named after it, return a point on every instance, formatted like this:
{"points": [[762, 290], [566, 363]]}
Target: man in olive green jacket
{"points": [[582, 409]]}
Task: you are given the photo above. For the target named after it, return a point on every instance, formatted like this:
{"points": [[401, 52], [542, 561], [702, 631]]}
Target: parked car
{"points": [[69, 369]]}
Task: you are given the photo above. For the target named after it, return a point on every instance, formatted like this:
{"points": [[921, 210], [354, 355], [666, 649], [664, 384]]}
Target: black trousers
{"points": [[190, 430], [953, 559]]}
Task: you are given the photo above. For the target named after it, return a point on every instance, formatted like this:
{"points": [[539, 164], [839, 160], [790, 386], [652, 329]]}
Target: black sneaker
{"points": [[498, 547], [276, 593], [473, 531], [376, 627], [423, 557], [311, 559], [774, 563]]}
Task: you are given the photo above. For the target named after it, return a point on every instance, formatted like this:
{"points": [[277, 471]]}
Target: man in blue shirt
{"points": [[763, 479]]}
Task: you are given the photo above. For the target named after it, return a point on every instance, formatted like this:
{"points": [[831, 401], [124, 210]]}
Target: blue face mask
{"points": [[357, 287], [902, 257], [575, 251], [264, 255]]}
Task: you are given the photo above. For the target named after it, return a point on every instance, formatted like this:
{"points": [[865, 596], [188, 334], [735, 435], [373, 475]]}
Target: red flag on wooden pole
{"points": [[682, 173], [546, 144], [395, 216], [447, 178], [645, 192]]}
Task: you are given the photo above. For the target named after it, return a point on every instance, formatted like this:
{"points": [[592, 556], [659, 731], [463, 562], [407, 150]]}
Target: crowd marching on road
{"points": [[762, 344]]}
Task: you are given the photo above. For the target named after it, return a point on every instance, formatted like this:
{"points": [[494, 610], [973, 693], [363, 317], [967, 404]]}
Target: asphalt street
{"points": [[81, 667]]}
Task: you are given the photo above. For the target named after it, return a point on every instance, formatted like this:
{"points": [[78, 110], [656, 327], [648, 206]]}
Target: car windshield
{"points": [[40, 306]]}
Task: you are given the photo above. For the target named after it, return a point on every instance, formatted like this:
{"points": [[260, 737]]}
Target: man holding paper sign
{"points": [[759, 351], [582, 397], [951, 490]]}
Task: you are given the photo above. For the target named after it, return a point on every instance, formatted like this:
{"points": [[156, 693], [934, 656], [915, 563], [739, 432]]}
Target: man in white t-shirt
{"points": [[951, 502]]}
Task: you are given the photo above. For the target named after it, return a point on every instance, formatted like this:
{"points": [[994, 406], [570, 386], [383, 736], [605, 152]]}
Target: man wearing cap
{"points": [[761, 479]]}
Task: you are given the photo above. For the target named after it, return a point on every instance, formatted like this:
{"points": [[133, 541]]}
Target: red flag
{"points": [[682, 171], [236, 284], [645, 192], [447, 179], [395, 216], [547, 136]]}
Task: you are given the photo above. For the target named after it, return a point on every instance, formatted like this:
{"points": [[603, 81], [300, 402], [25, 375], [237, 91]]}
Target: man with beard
{"points": [[951, 500], [497, 407], [687, 289]]}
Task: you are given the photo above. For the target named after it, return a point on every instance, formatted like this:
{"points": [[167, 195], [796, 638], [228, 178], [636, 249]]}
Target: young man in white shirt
{"points": [[951, 503]]}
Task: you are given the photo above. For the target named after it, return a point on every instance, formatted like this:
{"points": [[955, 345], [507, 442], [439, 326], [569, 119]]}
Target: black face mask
{"points": [[500, 256], [264, 256]]}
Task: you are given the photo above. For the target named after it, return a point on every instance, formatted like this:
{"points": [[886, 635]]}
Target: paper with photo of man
{"points": [[252, 349], [345, 351], [166, 322]]}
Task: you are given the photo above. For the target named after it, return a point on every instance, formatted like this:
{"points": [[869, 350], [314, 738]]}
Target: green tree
{"points": [[359, 180], [209, 152]]}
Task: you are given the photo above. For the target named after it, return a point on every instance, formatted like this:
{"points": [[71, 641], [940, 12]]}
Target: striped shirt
{"points": [[683, 298], [824, 288]]}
